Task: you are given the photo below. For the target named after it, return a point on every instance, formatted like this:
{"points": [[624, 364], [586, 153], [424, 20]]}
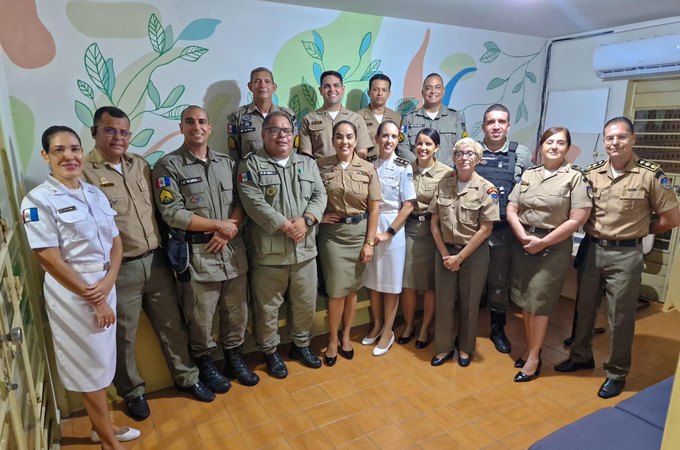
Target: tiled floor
{"points": [[399, 400]]}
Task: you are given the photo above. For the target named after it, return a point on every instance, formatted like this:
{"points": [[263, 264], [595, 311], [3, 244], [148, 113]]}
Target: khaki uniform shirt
{"points": [[131, 196], [448, 122], [316, 131], [372, 124], [546, 202], [622, 206], [349, 190], [244, 129], [460, 213], [183, 186], [271, 195], [426, 183]]}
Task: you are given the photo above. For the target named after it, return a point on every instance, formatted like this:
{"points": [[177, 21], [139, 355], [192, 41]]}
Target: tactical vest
{"points": [[499, 168]]}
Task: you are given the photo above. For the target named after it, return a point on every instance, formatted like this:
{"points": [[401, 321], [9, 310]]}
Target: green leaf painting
{"points": [[313, 50], [406, 105], [517, 87], [492, 52], [476, 128], [111, 77], [531, 77], [309, 93], [95, 66], [175, 113], [193, 53], [495, 83], [153, 94], [156, 35], [522, 112], [142, 138], [371, 70], [173, 96], [86, 89], [84, 114]]}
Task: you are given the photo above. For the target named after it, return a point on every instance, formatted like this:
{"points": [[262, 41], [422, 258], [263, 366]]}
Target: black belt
{"points": [[134, 258], [616, 243], [198, 238], [420, 217], [533, 229], [353, 219], [500, 225], [457, 247]]}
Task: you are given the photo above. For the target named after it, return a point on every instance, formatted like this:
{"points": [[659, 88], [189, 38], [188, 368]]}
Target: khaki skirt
{"points": [[339, 248], [537, 280], [420, 254]]}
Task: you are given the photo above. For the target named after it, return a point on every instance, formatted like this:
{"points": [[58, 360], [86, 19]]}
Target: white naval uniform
{"points": [[385, 271], [55, 216]]}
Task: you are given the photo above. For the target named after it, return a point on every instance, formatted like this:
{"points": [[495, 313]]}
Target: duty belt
{"points": [[616, 243], [500, 225], [134, 258], [198, 238], [456, 247], [533, 229], [91, 267], [420, 217], [353, 219]]}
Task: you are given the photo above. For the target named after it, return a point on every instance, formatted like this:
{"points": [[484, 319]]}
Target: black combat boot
{"points": [[235, 367], [498, 337], [210, 376]]}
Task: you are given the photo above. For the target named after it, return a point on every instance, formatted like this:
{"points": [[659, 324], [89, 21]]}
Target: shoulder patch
{"points": [[491, 190], [401, 161], [577, 168], [30, 215], [596, 165], [372, 158], [647, 164]]}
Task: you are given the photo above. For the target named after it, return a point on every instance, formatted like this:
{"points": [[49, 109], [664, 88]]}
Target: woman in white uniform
{"points": [[70, 228], [385, 271]]}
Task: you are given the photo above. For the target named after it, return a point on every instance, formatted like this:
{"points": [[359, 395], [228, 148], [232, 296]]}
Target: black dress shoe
{"points": [[464, 362], [305, 356], [422, 344], [500, 340], [275, 365], [200, 392], [436, 361], [347, 354], [611, 388], [330, 360], [138, 408], [572, 366], [522, 377], [519, 363], [406, 339]]}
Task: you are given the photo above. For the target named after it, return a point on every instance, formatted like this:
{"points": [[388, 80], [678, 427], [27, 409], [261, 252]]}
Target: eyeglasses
{"points": [[461, 155], [114, 131], [619, 137], [274, 131]]}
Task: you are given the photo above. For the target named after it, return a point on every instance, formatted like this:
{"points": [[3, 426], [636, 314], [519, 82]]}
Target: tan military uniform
{"points": [[460, 215], [448, 122], [244, 129], [316, 131], [543, 205], [372, 124], [272, 195], [613, 264], [144, 280], [183, 186], [349, 193]]}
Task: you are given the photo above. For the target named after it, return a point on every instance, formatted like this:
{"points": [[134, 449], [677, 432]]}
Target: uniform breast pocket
{"points": [[632, 200], [145, 191], [77, 225], [390, 185], [359, 183], [306, 186], [445, 207], [557, 197], [469, 212], [226, 192], [316, 133], [195, 196]]}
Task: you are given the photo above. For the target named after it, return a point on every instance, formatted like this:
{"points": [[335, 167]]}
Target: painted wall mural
{"points": [[152, 59]]}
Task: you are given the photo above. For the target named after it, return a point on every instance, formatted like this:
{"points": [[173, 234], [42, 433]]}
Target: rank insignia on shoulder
{"points": [[371, 158], [30, 215], [647, 164], [165, 197], [401, 161], [232, 143], [596, 165], [577, 168], [245, 176], [162, 181], [248, 155]]}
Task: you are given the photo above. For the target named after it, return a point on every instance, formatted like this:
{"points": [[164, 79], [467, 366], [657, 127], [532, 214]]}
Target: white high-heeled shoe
{"points": [[377, 351], [124, 434], [371, 340]]}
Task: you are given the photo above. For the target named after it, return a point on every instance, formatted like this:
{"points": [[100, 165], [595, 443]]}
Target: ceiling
{"points": [[543, 18]]}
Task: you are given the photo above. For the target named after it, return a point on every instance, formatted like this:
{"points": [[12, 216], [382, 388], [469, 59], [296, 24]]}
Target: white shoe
{"points": [[124, 434], [371, 340], [377, 351]]}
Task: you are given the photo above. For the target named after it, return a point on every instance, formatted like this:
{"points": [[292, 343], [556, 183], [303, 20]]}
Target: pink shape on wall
{"points": [[413, 81], [24, 38]]}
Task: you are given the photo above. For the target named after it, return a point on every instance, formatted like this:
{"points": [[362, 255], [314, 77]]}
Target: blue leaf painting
{"points": [[318, 41], [275, 99], [365, 99], [448, 91], [365, 44], [343, 70], [199, 29], [317, 72], [112, 77]]}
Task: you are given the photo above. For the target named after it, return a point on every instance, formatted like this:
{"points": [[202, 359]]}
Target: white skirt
{"points": [[386, 270], [85, 354]]}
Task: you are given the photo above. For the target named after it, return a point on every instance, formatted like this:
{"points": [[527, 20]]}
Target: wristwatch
{"points": [[370, 242], [309, 221], [391, 231]]}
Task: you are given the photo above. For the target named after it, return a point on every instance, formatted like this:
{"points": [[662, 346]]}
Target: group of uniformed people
{"points": [[401, 206]]}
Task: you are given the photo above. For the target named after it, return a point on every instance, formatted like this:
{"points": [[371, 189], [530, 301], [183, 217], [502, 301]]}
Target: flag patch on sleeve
{"points": [[29, 215], [162, 181], [245, 176]]}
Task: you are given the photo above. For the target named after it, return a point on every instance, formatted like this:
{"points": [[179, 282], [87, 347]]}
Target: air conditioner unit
{"points": [[654, 56]]}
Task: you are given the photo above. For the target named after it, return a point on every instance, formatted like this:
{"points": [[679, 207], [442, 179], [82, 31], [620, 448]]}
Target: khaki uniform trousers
{"points": [[202, 300], [498, 278], [457, 300], [147, 283], [615, 272], [269, 285]]}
